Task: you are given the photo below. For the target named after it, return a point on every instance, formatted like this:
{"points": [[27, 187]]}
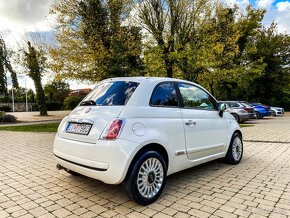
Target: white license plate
{"points": [[78, 128]]}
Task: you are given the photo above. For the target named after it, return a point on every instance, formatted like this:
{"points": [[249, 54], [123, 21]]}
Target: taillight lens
{"points": [[113, 130]]}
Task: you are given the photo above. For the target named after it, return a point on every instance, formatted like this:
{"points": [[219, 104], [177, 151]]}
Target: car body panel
{"points": [[144, 125]]}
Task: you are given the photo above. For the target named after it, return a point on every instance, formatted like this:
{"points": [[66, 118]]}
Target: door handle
{"points": [[190, 123]]}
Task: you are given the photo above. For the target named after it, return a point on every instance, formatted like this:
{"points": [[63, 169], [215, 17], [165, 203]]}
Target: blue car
{"points": [[261, 110]]}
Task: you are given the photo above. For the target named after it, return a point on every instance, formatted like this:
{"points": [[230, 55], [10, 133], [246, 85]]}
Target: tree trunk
{"points": [[211, 89], [168, 66], [40, 97]]}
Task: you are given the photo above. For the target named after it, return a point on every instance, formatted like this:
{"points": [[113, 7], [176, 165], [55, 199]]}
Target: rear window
{"points": [[112, 93]]}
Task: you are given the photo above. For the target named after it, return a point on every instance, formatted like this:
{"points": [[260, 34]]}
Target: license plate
{"points": [[78, 128]]}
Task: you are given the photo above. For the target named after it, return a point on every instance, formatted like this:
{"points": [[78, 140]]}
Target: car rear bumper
{"points": [[107, 161]]}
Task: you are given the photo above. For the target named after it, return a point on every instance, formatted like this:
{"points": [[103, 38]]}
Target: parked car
{"points": [[250, 109], [238, 111], [276, 111], [267, 108], [260, 110], [137, 131]]}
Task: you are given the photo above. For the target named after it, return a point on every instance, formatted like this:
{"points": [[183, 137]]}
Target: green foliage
{"points": [[6, 65], [54, 105], [56, 91], [5, 108], [71, 102], [92, 43], [35, 62], [7, 118]]}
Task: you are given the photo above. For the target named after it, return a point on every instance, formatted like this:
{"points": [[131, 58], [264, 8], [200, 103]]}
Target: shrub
{"points": [[71, 102], [7, 118], [54, 105], [5, 108], [35, 107]]}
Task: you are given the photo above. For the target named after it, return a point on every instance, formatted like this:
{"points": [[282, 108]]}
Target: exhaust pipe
{"points": [[60, 167]]}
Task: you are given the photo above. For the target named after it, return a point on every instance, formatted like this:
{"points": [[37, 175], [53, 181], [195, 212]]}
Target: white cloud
{"points": [[283, 6], [265, 3]]}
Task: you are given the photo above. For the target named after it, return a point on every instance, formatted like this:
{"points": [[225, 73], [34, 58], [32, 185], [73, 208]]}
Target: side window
{"points": [[196, 98], [164, 95], [234, 104]]}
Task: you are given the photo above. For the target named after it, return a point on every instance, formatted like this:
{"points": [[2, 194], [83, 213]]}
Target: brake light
{"points": [[113, 130], [248, 109]]}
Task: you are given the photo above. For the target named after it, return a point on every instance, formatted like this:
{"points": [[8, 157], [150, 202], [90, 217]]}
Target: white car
{"points": [[138, 130], [277, 111]]}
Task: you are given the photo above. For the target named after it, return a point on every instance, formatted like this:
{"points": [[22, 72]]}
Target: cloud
{"points": [[265, 3], [25, 12]]}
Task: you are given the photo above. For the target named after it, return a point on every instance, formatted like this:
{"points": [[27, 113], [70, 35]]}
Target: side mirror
{"points": [[222, 107]]}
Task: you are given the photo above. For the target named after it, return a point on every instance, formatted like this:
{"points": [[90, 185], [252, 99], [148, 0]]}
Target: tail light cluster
{"points": [[113, 130], [248, 109]]}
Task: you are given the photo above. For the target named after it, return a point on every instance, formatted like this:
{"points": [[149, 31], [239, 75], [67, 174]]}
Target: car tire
{"points": [[235, 150], [237, 117], [146, 178], [258, 115]]}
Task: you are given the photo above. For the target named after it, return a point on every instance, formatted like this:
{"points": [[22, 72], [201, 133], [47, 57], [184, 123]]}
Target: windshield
{"points": [[112, 93]]}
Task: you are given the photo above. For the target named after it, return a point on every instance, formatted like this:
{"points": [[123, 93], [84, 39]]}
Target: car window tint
{"points": [[164, 95], [234, 104], [194, 97], [112, 93]]}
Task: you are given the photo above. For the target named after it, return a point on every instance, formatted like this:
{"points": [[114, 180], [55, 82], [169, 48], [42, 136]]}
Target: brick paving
{"points": [[30, 185]]}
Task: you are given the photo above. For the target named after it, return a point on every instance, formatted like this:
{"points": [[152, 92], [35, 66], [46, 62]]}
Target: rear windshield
{"points": [[112, 93]]}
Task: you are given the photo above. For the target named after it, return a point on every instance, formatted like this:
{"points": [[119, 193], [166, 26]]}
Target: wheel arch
{"points": [[149, 147]]}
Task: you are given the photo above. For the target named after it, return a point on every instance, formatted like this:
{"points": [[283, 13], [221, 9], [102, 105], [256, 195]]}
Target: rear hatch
{"points": [[105, 103], [95, 118]]}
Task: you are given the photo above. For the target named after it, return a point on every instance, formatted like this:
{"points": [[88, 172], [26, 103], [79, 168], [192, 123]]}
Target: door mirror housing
{"points": [[222, 107]]}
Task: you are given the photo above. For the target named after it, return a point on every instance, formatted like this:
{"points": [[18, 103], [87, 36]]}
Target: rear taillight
{"points": [[248, 109], [113, 130]]}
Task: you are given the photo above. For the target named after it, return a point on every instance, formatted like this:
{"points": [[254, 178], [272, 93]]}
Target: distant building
{"points": [[79, 92]]}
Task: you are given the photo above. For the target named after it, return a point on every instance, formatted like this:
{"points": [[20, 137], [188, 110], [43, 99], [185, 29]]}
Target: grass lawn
{"points": [[246, 125], [44, 127]]}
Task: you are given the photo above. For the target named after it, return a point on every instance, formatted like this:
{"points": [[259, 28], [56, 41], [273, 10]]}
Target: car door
{"points": [[205, 131]]}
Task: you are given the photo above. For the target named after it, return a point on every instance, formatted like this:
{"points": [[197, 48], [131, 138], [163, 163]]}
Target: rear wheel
{"points": [[258, 115], [235, 151], [146, 179]]}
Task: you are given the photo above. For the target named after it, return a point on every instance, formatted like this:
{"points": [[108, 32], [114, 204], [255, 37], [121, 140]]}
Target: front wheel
{"points": [[146, 179], [235, 151]]}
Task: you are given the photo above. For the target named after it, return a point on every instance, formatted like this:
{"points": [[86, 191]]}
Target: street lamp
{"points": [[13, 108], [26, 104]]}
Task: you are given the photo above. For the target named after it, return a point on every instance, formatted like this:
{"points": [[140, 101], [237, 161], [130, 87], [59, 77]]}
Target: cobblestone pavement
{"points": [[30, 185]]}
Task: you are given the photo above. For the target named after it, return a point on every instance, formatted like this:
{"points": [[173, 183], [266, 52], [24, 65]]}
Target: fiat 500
{"points": [[137, 131]]}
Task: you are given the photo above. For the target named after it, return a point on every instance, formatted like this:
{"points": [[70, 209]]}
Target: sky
{"points": [[20, 19]]}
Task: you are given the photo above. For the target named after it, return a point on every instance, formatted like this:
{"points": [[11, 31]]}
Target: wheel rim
{"points": [[237, 148], [150, 178]]}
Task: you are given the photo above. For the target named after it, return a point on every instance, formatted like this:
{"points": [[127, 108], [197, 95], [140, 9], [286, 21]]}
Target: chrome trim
{"points": [[193, 150], [81, 120], [178, 153]]}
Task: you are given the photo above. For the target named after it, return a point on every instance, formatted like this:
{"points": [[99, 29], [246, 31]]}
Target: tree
{"points": [[172, 24], [92, 42], [56, 91], [272, 87], [35, 62], [5, 65]]}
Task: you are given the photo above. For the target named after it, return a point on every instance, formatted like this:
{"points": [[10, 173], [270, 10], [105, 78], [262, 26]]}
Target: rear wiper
{"points": [[88, 103]]}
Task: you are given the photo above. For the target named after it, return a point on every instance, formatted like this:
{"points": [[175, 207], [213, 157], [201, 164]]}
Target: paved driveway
{"points": [[30, 185]]}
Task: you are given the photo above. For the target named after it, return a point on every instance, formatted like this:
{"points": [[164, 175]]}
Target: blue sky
{"points": [[21, 18]]}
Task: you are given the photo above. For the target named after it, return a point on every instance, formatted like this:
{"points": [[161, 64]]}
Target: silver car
{"points": [[240, 111]]}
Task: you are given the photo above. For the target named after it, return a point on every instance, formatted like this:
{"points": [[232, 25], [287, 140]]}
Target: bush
{"points": [[71, 102], [54, 105], [35, 107], [7, 118], [5, 108]]}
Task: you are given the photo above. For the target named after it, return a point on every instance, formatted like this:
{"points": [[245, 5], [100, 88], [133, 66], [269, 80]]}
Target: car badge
{"points": [[88, 110]]}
